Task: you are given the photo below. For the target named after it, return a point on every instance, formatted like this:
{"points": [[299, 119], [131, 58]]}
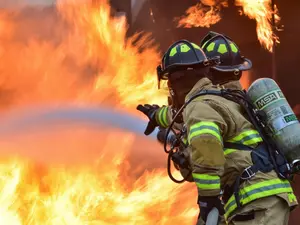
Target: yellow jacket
{"points": [[211, 121]]}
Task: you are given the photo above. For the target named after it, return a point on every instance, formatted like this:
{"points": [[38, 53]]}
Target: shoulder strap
{"points": [[237, 146]]}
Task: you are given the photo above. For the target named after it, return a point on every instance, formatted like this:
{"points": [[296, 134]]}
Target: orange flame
{"points": [[82, 56], [260, 11], [105, 192], [203, 14], [77, 53]]}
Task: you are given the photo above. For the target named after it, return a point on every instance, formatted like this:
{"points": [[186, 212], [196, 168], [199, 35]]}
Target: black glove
{"points": [[149, 111], [207, 203]]}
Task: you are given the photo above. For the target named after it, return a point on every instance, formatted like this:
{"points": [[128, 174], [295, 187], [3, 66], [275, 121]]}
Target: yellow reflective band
{"points": [[173, 51], [233, 48], [204, 128], [196, 46], [256, 191], [222, 48], [184, 48], [249, 137], [211, 47], [243, 135], [228, 151], [205, 181], [162, 116], [292, 197], [253, 141]]}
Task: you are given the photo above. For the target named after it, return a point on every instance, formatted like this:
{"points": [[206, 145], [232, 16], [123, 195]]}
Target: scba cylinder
{"points": [[283, 123]]}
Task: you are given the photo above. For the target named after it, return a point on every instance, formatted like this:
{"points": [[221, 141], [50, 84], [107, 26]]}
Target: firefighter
{"points": [[216, 130], [232, 64], [226, 74]]}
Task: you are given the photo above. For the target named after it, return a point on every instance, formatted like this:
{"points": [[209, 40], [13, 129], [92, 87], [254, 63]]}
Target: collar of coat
{"points": [[201, 85], [206, 84]]}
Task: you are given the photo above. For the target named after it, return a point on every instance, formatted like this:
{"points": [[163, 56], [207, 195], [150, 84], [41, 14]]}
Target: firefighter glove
{"points": [[149, 111]]}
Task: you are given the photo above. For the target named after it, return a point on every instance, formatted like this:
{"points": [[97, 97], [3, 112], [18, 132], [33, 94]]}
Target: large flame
{"points": [[207, 12], [78, 53], [203, 14], [105, 192], [261, 12]]}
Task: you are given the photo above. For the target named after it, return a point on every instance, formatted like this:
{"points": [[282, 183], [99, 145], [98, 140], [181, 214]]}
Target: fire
{"points": [[130, 71], [203, 14], [77, 53], [109, 191], [261, 11], [82, 54]]}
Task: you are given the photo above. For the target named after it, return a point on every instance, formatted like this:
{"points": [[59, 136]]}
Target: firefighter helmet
{"points": [[231, 60], [182, 55]]}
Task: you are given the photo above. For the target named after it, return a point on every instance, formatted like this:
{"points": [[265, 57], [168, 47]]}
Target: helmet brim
{"points": [[246, 65], [185, 66]]}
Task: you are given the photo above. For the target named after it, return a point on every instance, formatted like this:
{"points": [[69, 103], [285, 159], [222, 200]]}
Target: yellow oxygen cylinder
{"points": [[283, 123]]}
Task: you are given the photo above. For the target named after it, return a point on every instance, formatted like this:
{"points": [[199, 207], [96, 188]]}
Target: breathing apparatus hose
{"points": [[170, 172], [170, 139]]}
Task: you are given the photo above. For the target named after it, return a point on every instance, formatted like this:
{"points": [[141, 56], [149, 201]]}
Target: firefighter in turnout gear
{"points": [[221, 142], [227, 73], [230, 69], [232, 65]]}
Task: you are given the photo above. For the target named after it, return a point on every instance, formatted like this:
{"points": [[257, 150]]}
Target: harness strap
{"points": [[261, 162], [237, 146]]}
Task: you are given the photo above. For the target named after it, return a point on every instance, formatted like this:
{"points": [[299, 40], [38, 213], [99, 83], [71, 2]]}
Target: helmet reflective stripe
{"points": [[211, 46], [196, 46], [173, 51], [222, 47], [233, 47], [183, 48]]}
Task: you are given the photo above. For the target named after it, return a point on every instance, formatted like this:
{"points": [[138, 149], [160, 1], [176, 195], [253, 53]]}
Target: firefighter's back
{"points": [[262, 189]]}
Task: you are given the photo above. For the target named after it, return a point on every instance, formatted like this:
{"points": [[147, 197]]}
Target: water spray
{"points": [[95, 116]]}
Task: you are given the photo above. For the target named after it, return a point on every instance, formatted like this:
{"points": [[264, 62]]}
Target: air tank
{"points": [[282, 121]]}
